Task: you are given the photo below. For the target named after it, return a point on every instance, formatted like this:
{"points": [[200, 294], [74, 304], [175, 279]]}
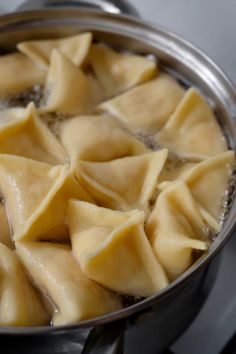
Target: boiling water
{"points": [[228, 198], [54, 122], [35, 94]]}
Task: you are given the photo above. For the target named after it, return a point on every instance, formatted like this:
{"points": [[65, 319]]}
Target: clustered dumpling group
{"points": [[90, 212]]}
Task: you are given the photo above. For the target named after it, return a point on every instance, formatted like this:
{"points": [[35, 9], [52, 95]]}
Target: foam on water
{"points": [[35, 94], [54, 121], [149, 140]]}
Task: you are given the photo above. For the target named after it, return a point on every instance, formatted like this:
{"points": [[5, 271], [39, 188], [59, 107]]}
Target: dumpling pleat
{"points": [[18, 74], [112, 249], [69, 90], [98, 139], [23, 133], [176, 229], [74, 47], [146, 107], [209, 180], [125, 183], [118, 72], [193, 131], [36, 196]]}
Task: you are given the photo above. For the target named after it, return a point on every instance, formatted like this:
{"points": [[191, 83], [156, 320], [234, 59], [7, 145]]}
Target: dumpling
{"points": [[98, 138], [69, 91], [5, 232], [18, 73], [125, 183], [55, 271], [148, 106], [209, 180], [23, 133], [176, 229], [36, 196], [118, 72], [74, 47], [192, 130], [112, 249], [19, 303]]}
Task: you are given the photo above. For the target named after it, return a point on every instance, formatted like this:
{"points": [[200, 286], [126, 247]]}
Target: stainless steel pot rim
{"points": [[11, 21]]}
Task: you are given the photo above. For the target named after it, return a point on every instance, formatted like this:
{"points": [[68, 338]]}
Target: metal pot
{"points": [[163, 317]]}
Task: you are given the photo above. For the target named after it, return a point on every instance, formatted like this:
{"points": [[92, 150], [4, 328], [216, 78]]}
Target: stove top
{"points": [[211, 25]]}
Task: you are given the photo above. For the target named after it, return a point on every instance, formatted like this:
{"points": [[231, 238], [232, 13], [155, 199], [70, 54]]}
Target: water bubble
{"points": [[22, 99]]}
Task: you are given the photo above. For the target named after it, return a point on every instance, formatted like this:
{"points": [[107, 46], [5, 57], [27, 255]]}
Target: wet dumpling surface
{"points": [[114, 180], [75, 48], [192, 130], [98, 139], [112, 249], [70, 91], [18, 73], [22, 133], [122, 184], [36, 196], [118, 72], [146, 107], [55, 271], [20, 305], [176, 228]]}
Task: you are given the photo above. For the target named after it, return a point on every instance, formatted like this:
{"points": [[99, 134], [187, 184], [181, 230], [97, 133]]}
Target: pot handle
{"points": [[111, 6], [107, 339]]}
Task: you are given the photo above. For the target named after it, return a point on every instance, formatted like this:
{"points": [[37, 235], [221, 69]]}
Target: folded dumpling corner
{"points": [[176, 229], [23, 133], [55, 271], [124, 183], [36, 196], [113, 250], [192, 130], [74, 47]]}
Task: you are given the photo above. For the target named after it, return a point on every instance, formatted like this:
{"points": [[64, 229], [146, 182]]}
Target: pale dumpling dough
{"points": [[74, 47], [112, 249], [209, 180], [118, 72], [147, 106], [56, 272], [98, 138], [36, 196], [175, 229], [23, 133], [20, 305], [123, 184], [18, 73], [69, 90], [192, 130], [5, 231]]}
